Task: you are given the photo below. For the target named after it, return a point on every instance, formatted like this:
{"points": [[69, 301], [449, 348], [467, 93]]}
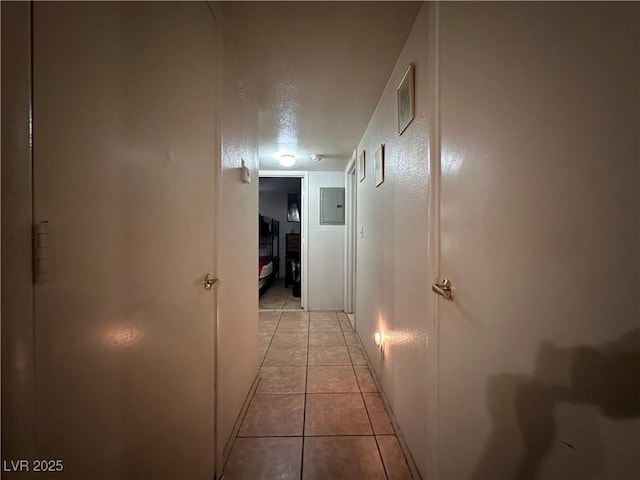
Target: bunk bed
{"points": [[268, 248]]}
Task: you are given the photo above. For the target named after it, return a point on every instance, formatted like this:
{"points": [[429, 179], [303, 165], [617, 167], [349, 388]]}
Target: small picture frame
{"points": [[361, 165], [406, 100], [378, 165]]}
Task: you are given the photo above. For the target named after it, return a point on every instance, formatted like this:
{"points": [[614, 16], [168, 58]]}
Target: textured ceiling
{"points": [[316, 69]]}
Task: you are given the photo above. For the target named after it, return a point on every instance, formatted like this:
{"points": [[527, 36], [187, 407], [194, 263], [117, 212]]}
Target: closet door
{"points": [[125, 157], [538, 349]]}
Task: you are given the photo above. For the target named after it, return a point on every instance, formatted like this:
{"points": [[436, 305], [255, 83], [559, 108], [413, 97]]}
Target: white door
{"points": [[539, 349], [124, 162]]}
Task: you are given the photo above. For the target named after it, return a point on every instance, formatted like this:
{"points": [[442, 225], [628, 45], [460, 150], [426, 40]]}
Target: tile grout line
{"points": [[269, 346], [326, 435], [235, 433], [406, 453], [366, 409], [304, 411], [249, 399], [273, 343], [375, 437]]}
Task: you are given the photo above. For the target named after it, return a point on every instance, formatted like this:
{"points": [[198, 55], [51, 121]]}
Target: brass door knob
{"points": [[210, 282], [443, 289]]}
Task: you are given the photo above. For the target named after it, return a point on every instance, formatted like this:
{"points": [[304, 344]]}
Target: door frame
{"points": [[434, 214], [304, 227], [350, 264], [219, 454], [16, 259]]}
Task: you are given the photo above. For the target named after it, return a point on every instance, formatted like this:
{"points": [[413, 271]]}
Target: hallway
{"points": [[467, 180], [316, 413]]}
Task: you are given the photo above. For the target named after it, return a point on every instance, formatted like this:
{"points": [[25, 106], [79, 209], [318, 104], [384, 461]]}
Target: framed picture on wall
{"points": [[406, 101], [361, 165], [378, 165]]}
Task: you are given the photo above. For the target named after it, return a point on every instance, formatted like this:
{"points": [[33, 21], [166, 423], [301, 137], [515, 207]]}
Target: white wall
{"points": [[238, 255], [326, 248], [393, 269]]}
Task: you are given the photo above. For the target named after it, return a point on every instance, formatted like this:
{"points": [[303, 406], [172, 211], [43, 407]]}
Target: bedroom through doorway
{"points": [[280, 233]]}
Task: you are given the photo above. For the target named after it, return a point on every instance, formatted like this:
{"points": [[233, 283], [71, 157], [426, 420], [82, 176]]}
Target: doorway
{"points": [[351, 195], [282, 241]]}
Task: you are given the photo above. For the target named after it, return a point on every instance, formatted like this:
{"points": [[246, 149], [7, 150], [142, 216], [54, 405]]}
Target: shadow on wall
{"points": [[524, 408]]}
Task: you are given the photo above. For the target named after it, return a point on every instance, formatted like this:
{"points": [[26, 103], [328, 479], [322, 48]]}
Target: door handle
{"points": [[210, 282], [443, 289]]}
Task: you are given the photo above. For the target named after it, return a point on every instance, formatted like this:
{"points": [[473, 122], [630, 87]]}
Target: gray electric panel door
{"points": [[332, 206]]}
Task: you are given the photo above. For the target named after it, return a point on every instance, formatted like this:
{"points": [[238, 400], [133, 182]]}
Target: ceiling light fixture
{"points": [[316, 158], [287, 160]]}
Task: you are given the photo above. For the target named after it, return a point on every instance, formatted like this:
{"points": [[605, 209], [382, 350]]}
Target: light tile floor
{"points": [[316, 413], [277, 297]]}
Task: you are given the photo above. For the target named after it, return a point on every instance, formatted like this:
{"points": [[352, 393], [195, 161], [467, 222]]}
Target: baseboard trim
{"points": [[236, 428], [403, 444]]}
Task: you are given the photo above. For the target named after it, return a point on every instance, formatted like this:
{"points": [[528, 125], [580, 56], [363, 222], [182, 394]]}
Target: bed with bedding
{"points": [[269, 245]]}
